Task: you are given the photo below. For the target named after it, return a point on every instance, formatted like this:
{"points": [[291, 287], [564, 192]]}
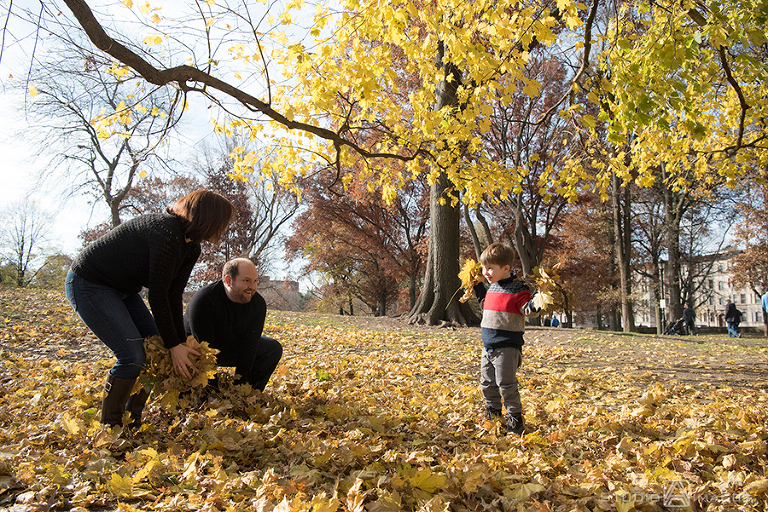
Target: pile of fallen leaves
{"points": [[358, 420], [158, 376]]}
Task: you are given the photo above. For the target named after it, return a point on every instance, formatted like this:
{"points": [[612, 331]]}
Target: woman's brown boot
{"points": [[116, 393], [135, 406]]}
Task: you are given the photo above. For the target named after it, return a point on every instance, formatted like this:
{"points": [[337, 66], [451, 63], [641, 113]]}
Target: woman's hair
{"points": [[204, 214], [498, 254]]}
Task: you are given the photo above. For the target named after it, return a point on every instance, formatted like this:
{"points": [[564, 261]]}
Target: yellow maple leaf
{"points": [[152, 40], [322, 504], [523, 492], [427, 481], [120, 485], [545, 281], [70, 425], [624, 504], [32, 89]]}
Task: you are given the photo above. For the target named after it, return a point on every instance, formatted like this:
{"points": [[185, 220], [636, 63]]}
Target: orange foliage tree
{"points": [[360, 244]]}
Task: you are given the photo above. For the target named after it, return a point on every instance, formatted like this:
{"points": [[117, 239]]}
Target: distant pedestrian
{"points": [[555, 322], [732, 319], [690, 320], [764, 302]]}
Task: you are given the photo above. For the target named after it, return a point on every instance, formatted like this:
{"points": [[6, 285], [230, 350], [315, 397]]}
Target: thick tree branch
{"points": [[701, 21], [181, 75], [584, 61]]}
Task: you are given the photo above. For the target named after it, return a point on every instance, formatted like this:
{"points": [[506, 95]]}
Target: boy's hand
{"points": [[536, 303]]}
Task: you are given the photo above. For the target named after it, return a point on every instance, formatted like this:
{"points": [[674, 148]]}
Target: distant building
{"points": [[713, 290], [280, 295]]}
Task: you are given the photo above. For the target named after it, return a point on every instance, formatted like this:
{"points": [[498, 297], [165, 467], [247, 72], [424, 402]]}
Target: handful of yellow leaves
{"points": [[545, 280], [471, 274], [158, 372]]}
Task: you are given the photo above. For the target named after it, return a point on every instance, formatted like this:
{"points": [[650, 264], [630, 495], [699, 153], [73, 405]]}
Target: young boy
{"points": [[506, 303]]}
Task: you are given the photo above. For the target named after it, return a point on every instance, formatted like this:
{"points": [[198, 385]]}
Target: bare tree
{"points": [[263, 208], [100, 129], [23, 234]]}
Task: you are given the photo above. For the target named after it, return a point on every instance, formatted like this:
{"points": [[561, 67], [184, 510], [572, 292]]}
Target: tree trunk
{"points": [[411, 290], [611, 312], [438, 301], [623, 245], [656, 286], [473, 233], [382, 309], [566, 306], [672, 217], [487, 235], [114, 211], [522, 242]]}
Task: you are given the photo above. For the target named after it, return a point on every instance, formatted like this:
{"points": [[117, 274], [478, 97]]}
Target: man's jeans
{"points": [[120, 321], [254, 362], [498, 378], [733, 329]]}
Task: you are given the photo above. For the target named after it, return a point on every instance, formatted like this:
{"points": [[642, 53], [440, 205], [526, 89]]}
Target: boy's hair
{"points": [[498, 254]]}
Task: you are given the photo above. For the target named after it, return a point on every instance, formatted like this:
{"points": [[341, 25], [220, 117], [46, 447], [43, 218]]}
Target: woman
{"points": [[156, 251]]}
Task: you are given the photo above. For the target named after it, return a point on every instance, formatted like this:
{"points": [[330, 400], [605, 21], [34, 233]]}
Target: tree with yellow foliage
{"points": [[679, 83]]}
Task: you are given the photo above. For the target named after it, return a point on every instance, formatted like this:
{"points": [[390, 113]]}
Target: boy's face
{"points": [[493, 272]]}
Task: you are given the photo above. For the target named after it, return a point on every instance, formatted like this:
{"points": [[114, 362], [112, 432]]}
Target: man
{"points": [[690, 319], [229, 314], [732, 319]]}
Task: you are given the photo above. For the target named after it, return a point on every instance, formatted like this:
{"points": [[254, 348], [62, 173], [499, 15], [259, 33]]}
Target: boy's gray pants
{"points": [[498, 378]]}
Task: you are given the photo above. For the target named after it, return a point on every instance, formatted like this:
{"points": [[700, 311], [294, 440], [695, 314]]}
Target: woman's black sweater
{"points": [[147, 251]]}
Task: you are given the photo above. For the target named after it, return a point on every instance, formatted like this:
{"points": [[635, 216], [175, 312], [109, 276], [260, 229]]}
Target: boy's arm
{"points": [[530, 308], [480, 291]]}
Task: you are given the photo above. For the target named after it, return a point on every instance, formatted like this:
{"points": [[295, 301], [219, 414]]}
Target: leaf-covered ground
{"points": [[372, 415]]}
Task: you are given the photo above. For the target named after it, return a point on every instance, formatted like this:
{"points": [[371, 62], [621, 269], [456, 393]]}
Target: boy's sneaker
{"points": [[492, 414], [515, 423]]}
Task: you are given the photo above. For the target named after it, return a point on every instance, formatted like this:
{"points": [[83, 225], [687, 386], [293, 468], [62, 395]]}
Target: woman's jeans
{"points": [[120, 321]]}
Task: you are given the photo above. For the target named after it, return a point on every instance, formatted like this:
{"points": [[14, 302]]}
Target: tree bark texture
{"points": [[673, 214], [621, 197], [438, 302]]}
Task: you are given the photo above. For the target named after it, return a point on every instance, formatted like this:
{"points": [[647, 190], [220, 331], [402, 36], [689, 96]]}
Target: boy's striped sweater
{"points": [[506, 304]]}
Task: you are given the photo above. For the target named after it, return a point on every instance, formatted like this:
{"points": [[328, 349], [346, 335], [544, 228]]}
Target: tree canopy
{"points": [[674, 83], [662, 93]]}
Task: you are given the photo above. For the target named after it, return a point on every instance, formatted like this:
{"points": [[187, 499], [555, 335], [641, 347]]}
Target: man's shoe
{"points": [[492, 414], [515, 423]]}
